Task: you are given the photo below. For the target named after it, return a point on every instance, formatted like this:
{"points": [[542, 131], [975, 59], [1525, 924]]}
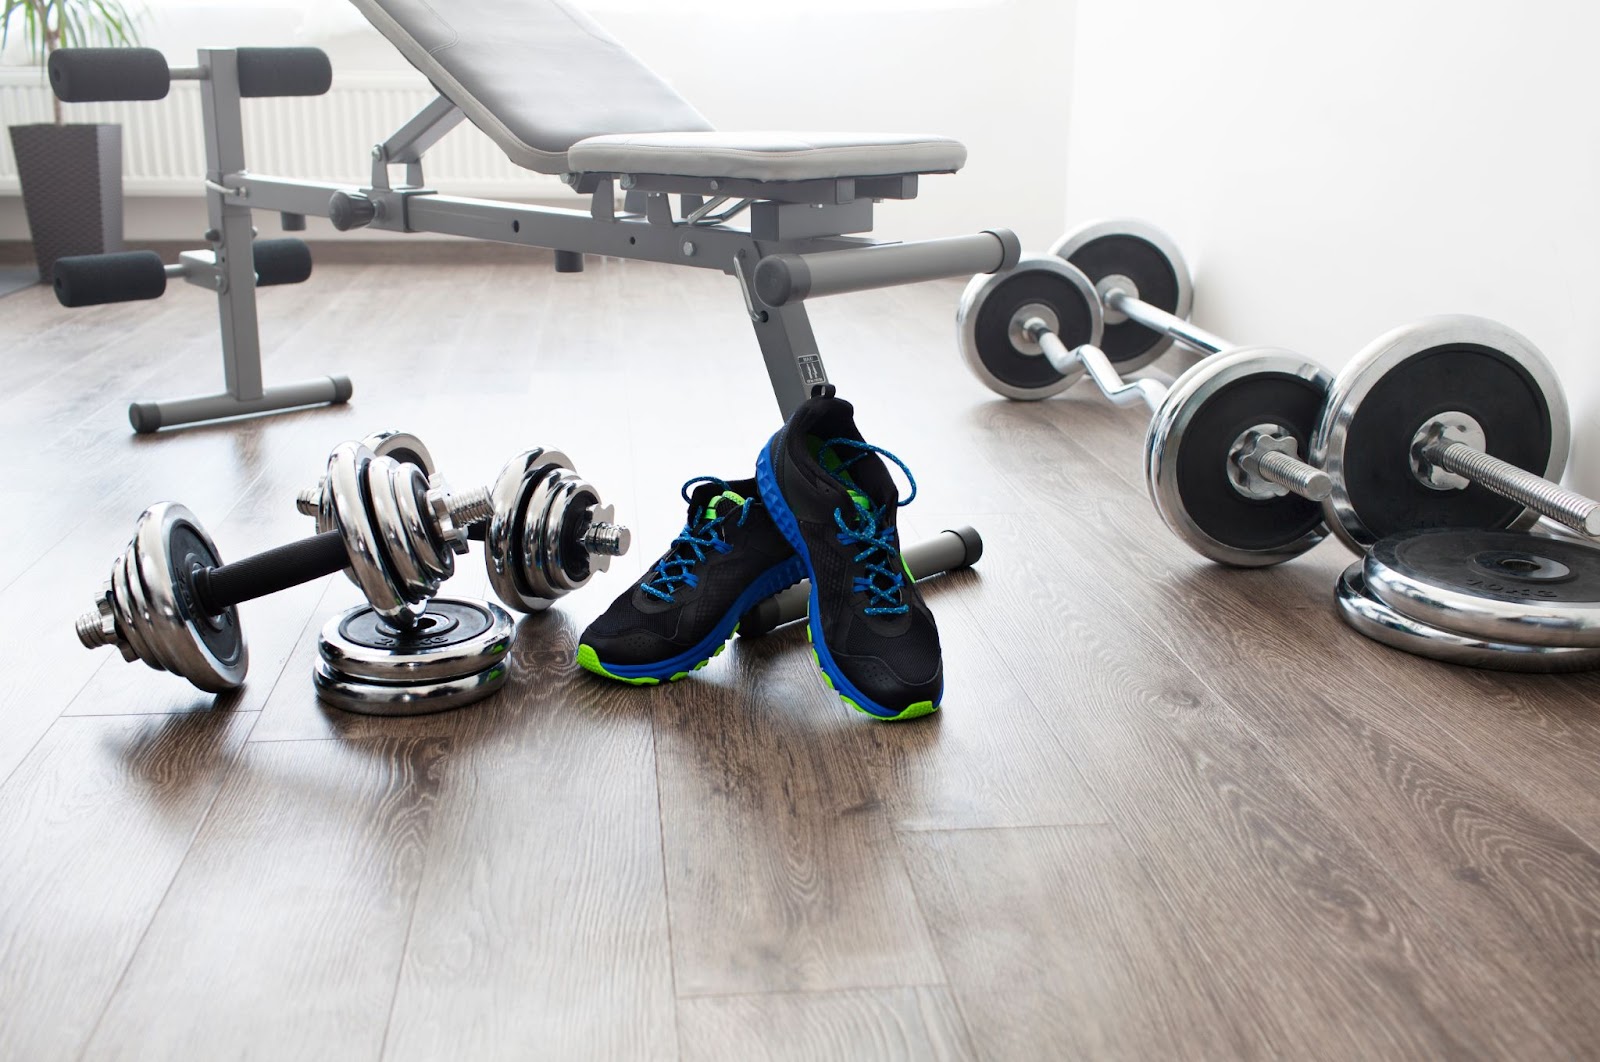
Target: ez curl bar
{"points": [[1452, 421]]}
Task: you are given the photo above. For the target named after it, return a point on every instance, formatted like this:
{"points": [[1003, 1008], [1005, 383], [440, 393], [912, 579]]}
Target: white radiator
{"points": [[327, 137]]}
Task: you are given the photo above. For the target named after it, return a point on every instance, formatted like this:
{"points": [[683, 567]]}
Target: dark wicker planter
{"points": [[72, 188]]}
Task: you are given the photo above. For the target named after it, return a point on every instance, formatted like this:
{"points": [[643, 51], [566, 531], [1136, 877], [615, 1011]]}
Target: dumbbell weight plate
{"points": [[396, 496], [993, 308], [403, 447], [1453, 364], [374, 698], [1150, 260], [503, 547], [153, 583], [347, 489], [370, 668], [455, 638], [1500, 586], [1378, 621], [1187, 446]]}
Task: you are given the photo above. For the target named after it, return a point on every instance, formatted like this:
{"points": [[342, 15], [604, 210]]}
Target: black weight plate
{"points": [[1486, 384], [1502, 565], [1508, 586], [1151, 272], [575, 521], [452, 639], [446, 623], [991, 333], [1208, 496], [221, 633]]}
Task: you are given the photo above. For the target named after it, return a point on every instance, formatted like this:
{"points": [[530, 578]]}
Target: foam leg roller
{"points": [[284, 72], [285, 261], [97, 279], [90, 75]]}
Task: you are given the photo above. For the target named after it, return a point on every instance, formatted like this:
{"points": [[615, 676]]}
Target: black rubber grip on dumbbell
{"points": [[283, 72], [284, 261], [96, 279], [266, 573], [91, 75]]}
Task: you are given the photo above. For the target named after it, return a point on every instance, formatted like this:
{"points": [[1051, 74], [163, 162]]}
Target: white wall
{"points": [[942, 66], [1333, 170]]}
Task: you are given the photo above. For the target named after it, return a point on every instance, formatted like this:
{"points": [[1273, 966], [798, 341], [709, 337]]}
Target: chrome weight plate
{"points": [[453, 639], [519, 478], [1480, 371], [1141, 260], [1192, 435], [347, 487], [403, 446], [455, 656], [994, 307], [154, 605], [376, 698], [1378, 621], [1500, 586]]}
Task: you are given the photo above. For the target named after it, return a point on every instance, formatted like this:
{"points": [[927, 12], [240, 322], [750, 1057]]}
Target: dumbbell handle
{"points": [[1290, 473], [215, 589], [1507, 480], [1153, 317]]}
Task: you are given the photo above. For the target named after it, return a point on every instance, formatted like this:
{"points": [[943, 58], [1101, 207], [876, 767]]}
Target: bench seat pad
{"points": [[535, 75], [767, 156]]}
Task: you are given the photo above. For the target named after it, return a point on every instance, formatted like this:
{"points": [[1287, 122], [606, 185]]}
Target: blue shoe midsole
{"points": [[776, 578], [789, 527]]}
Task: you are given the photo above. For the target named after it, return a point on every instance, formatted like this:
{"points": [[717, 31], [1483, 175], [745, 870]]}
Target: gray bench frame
{"points": [[798, 243]]}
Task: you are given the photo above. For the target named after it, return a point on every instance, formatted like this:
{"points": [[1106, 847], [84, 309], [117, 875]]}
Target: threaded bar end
{"points": [[470, 507], [309, 501], [611, 540], [1507, 480], [90, 631], [1305, 480]]}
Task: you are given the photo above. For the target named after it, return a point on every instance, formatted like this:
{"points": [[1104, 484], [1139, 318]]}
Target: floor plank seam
{"points": [[666, 886], [923, 831], [933, 945], [224, 777], [809, 992]]}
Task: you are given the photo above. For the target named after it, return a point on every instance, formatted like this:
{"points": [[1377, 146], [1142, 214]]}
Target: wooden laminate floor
{"points": [[1168, 811]]}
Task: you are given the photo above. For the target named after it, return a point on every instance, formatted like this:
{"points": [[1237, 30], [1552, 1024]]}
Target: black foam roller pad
{"points": [[285, 261], [89, 75], [284, 72], [96, 279]]}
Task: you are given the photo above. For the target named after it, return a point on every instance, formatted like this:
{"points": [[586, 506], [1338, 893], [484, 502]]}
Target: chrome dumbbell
{"points": [[545, 529], [172, 602]]}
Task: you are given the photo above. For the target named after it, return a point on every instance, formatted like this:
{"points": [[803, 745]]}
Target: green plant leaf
{"points": [[67, 23]]}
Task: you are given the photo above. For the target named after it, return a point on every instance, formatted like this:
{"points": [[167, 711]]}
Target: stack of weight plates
{"points": [[1507, 600], [456, 654]]}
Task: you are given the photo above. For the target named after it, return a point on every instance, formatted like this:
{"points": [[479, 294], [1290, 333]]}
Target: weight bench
{"points": [[780, 212]]}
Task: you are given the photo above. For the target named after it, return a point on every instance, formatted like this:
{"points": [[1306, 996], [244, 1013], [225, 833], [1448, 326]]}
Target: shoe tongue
{"points": [[708, 503], [833, 465], [722, 504]]}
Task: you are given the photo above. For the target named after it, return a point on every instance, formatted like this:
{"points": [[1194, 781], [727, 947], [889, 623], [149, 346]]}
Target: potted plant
{"points": [[71, 175]]}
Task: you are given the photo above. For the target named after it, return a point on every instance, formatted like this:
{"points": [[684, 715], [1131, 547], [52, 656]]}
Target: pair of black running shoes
{"points": [[822, 506]]}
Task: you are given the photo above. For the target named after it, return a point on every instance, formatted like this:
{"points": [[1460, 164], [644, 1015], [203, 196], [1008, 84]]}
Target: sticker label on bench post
{"points": [[811, 370]]}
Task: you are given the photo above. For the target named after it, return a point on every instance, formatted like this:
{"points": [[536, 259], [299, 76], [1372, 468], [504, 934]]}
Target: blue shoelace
{"points": [[885, 574], [703, 532]]}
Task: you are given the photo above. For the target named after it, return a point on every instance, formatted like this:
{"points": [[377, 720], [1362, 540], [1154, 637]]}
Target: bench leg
{"points": [[232, 236], [789, 348]]}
